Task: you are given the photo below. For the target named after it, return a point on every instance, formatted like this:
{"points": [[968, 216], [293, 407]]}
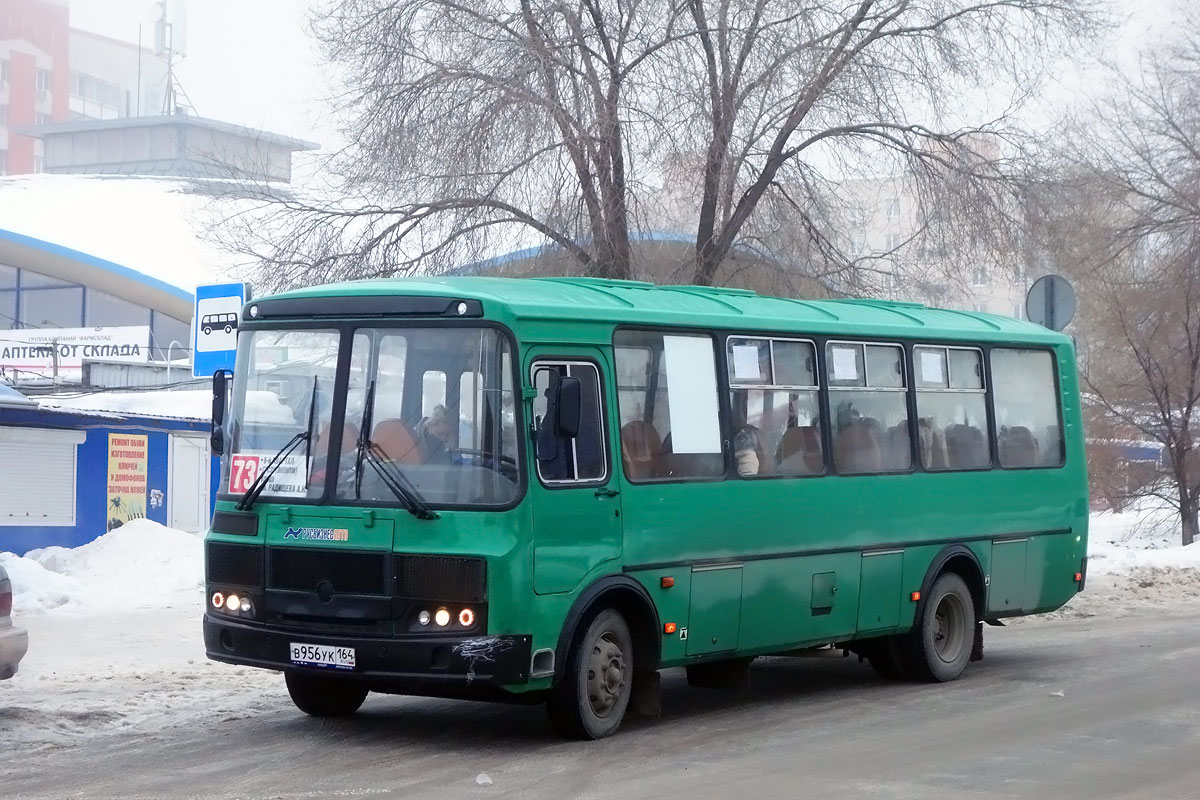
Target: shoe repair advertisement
{"points": [[128, 458]]}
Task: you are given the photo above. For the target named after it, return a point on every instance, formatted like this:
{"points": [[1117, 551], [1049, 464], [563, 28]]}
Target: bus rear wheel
{"points": [[319, 696], [939, 648], [590, 699]]}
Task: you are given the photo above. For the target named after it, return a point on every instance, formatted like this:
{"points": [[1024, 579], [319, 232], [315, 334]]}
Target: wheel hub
{"points": [[606, 675]]}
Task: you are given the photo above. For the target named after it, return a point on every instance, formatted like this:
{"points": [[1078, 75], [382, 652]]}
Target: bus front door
{"points": [[576, 510]]}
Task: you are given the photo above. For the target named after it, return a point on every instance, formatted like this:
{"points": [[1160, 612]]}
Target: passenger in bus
{"points": [[433, 436], [641, 448], [747, 451]]}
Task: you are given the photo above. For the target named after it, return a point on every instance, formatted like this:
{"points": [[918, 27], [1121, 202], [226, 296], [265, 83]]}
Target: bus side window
{"points": [[869, 403], [1028, 426], [776, 413], [667, 398]]}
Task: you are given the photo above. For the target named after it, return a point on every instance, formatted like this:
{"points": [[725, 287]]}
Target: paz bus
{"points": [[550, 489]]}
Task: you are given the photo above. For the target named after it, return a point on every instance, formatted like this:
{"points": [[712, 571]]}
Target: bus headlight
{"points": [[442, 617], [233, 602], [466, 618], [423, 618]]}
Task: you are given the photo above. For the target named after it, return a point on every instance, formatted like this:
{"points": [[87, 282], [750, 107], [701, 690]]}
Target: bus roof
{"points": [[637, 302]]}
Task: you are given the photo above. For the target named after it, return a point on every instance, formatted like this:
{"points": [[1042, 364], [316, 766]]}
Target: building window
{"points": [[42, 80], [893, 208], [858, 215], [41, 119], [104, 309], [52, 308], [3, 116], [8, 309], [37, 476], [3, 162], [164, 330], [1019, 310], [979, 307], [894, 240], [858, 243], [38, 164], [979, 276], [4, 70]]}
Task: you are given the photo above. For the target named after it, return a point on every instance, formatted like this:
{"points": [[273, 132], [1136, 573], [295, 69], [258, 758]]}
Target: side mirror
{"points": [[561, 420], [220, 393], [567, 420]]}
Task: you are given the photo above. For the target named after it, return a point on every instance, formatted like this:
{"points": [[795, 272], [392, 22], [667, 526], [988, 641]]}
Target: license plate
{"points": [[320, 655]]}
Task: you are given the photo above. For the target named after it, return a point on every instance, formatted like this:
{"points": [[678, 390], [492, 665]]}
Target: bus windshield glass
{"points": [[438, 406], [286, 389]]}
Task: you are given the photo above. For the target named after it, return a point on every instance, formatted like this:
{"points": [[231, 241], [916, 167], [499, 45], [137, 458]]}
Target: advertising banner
{"points": [[42, 354], [128, 455]]}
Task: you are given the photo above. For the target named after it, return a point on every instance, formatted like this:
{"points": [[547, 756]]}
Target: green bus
{"points": [[548, 490]]}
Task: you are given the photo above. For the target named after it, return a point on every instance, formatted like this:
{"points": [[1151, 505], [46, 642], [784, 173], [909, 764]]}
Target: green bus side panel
{"points": [[879, 600], [799, 600], [1050, 571], [716, 610], [1006, 591]]}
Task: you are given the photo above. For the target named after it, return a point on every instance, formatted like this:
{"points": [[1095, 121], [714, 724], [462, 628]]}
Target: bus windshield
{"points": [[440, 421], [438, 406]]}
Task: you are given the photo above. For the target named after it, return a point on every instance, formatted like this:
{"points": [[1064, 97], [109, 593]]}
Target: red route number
{"points": [[242, 472]]}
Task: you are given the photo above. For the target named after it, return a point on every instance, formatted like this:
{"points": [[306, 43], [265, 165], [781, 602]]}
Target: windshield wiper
{"points": [[260, 481], [388, 472]]}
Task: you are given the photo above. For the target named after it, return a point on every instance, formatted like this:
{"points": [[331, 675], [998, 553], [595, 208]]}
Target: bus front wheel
{"points": [[319, 696], [590, 699], [939, 648]]}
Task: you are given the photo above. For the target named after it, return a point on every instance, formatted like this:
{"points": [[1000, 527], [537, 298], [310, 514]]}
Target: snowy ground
{"points": [[115, 642]]}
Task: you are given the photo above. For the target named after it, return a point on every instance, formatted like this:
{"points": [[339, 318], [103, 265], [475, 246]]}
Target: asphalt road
{"points": [[1058, 709]]}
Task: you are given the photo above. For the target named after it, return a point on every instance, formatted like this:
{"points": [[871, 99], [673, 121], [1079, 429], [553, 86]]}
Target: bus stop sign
{"points": [[214, 326], [1050, 302]]}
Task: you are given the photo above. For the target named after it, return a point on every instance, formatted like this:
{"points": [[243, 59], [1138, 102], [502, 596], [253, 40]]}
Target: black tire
{"points": [[207, 330], [228, 329], [939, 647], [319, 696], [590, 699], [884, 657]]}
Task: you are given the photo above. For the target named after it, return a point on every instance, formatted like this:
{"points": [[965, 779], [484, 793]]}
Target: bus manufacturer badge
{"points": [[319, 534]]}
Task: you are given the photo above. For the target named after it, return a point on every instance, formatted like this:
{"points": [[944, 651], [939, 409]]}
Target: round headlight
{"points": [[246, 604], [462, 309], [254, 311], [423, 618], [233, 602], [466, 618], [442, 617]]}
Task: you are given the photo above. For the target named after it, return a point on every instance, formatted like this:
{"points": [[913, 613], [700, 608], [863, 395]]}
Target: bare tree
{"points": [[1137, 247], [479, 126]]}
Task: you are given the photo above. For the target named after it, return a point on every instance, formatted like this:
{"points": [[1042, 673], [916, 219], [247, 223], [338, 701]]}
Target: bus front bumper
{"points": [[401, 664]]}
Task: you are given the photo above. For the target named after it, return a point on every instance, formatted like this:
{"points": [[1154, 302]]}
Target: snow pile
{"points": [[140, 565], [261, 406]]}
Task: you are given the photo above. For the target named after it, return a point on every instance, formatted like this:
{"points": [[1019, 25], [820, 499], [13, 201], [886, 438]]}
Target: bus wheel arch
{"points": [[630, 599], [954, 579], [962, 561]]}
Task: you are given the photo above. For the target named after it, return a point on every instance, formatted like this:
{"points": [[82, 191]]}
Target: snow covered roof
{"points": [[136, 227], [190, 404]]}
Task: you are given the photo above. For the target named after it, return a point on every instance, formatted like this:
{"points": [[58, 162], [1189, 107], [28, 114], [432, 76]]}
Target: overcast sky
{"points": [[253, 62]]}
